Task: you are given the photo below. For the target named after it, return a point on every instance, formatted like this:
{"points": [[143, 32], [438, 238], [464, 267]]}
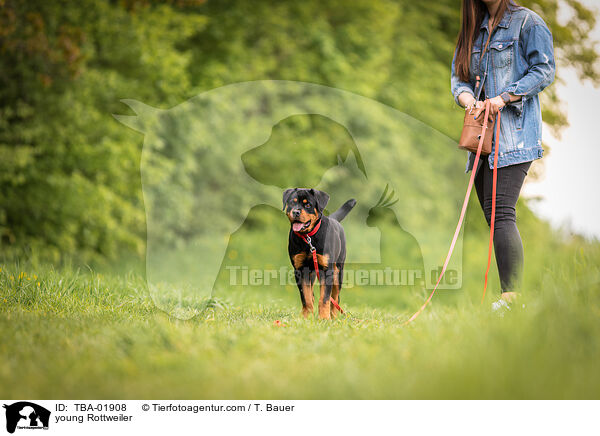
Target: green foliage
{"points": [[69, 174]]}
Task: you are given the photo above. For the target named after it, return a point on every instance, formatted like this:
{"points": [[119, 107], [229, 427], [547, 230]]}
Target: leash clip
{"points": [[309, 242]]}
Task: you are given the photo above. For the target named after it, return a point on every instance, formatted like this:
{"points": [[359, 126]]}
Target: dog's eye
{"points": [[307, 205]]}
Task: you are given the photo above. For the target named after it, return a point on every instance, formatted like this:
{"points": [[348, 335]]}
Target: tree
{"points": [[69, 173]]}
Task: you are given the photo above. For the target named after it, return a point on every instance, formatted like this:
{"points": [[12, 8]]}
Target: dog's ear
{"points": [[286, 195], [321, 197]]}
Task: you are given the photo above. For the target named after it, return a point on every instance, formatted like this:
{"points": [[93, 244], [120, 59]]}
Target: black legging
{"points": [[508, 246]]}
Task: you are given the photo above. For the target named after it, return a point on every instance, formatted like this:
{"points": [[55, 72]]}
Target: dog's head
{"points": [[304, 207]]}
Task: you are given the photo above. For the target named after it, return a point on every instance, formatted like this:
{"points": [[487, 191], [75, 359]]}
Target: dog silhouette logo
{"points": [[198, 188], [26, 415]]}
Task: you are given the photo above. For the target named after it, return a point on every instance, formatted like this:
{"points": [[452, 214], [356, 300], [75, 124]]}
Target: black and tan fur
{"points": [[304, 208]]}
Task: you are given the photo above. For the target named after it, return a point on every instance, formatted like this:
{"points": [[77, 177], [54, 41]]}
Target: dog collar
{"points": [[316, 228], [311, 233], [306, 238]]}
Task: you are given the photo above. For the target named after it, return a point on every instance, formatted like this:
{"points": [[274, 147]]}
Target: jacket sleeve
{"points": [[539, 52], [458, 86]]}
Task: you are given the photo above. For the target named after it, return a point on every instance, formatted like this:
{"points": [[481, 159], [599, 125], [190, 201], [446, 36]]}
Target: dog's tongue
{"points": [[296, 227]]}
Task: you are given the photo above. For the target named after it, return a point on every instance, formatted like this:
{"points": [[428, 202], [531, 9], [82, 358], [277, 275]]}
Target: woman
{"points": [[510, 48]]}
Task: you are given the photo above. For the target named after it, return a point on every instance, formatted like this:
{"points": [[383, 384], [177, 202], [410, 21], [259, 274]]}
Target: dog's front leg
{"points": [[335, 289], [304, 280], [325, 294]]}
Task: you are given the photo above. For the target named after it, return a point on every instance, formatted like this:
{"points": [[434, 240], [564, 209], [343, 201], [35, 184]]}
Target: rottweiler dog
{"points": [[312, 230]]}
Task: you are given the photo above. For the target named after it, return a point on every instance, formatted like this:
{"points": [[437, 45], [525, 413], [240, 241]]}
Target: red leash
{"points": [[313, 251], [493, 220], [464, 209]]}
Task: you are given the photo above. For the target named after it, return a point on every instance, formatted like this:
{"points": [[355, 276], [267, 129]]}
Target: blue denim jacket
{"points": [[519, 60]]}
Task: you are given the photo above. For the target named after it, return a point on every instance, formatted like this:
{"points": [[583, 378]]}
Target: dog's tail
{"points": [[341, 213]]}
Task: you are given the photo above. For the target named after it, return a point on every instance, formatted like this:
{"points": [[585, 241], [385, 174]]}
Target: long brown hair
{"points": [[473, 12]]}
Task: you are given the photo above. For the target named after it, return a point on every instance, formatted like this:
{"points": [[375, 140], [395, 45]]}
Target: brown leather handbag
{"points": [[472, 129]]}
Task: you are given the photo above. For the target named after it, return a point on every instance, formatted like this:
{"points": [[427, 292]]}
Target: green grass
{"points": [[78, 334]]}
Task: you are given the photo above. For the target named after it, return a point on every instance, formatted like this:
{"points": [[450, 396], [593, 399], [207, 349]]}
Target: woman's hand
{"points": [[466, 100], [474, 107], [496, 104], [478, 105]]}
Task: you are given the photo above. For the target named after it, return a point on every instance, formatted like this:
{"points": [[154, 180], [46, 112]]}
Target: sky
{"points": [[569, 191]]}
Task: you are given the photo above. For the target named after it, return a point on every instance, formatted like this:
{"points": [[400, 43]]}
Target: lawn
{"points": [[69, 333]]}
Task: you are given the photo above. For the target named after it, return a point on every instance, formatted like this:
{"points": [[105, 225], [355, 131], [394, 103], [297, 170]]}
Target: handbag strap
{"points": [[487, 64], [464, 210]]}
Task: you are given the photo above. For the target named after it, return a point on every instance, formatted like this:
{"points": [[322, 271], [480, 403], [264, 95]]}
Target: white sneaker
{"points": [[500, 306]]}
